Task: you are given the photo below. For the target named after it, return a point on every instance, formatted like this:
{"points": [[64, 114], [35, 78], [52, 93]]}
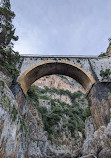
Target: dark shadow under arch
{"points": [[53, 67]]}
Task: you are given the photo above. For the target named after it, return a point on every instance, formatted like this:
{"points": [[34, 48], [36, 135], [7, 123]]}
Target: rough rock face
{"points": [[100, 103], [98, 142], [59, 82], [21, 130], [9, 124], [65, 143], [22, 133], [39, 145], [109, 49]]}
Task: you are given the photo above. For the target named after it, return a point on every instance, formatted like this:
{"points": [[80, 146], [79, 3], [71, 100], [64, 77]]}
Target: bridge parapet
{"points": [[93, 65]]}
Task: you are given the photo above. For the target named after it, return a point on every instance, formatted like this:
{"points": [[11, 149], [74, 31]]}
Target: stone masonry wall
{"points": [[97, 63]]}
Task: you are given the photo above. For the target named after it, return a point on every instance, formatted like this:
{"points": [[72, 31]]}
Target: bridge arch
{"points": [[55, 67]]}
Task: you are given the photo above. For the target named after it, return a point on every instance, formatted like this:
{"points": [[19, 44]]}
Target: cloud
{"points": [[62, 26]]}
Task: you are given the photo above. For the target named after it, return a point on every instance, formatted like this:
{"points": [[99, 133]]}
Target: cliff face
{"points": [[97, 142], [24, 133], [62, 109], [59, 82], [51, 123], [9, 123]]}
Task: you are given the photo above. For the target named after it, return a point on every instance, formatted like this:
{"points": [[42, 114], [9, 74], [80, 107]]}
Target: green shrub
{"points": [[14, 113], [32, 91], [75, 95], [71, 127], [105, 74], [102, 54], [2, 84], [59, 110], [86, 112], [33, 96], [42, 109], [8, 57]]}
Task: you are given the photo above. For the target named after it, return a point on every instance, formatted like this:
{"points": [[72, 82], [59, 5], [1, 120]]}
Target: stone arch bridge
{"points": [[85, 70]]}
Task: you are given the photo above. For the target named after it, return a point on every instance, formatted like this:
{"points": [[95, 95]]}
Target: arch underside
{"points": [[53, 67]]}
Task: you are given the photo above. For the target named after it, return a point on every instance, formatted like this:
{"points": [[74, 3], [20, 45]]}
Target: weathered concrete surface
{"points": [[97, 63], [100, 103], [54, 67], [83, 67]]}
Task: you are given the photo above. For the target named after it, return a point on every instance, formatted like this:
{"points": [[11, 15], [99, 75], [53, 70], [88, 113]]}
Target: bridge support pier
{"points": [[100, 103]]}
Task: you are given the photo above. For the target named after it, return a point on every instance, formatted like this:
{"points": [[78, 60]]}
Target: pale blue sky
{"points": [[62, 27]]}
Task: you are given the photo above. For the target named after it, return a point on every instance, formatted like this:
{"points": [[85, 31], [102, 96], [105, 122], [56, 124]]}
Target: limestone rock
{"points": [[105, 153], [99, 143], [89, 156], [9, 129], [32, 141], [59, 82], [108, 130], [89, 127]]}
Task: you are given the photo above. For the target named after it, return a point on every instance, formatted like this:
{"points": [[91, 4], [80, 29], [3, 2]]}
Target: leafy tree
{"points": [[8, 57]]}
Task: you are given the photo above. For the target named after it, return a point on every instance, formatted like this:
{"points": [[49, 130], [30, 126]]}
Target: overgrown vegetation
{"points": [[78, 95], [107, 51], [8, 57], [102, 54], [2, 84], [105, 74], [73, 116]]}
